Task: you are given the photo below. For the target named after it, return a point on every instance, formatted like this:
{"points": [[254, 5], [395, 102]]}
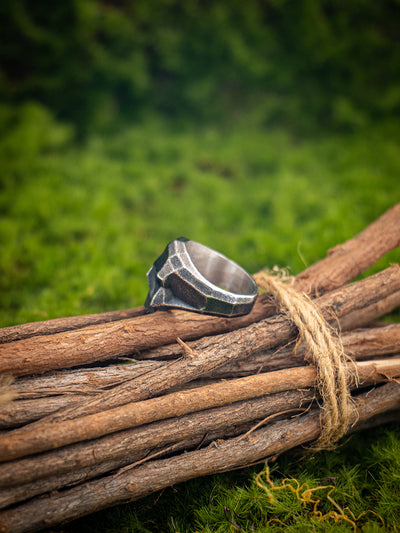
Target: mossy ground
{"points": [[81, 224]]}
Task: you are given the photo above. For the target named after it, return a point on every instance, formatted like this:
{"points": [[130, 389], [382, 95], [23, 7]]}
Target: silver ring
{"points": [[189, 275]]}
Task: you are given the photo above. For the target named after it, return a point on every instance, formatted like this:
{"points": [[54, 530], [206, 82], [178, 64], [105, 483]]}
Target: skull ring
{"points": [[191, 276]]}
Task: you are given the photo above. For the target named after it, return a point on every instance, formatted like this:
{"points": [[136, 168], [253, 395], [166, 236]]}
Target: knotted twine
{"points": [[325, 351]]}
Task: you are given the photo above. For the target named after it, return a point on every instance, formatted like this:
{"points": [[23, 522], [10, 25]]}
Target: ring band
{"points": [[191, 276]]}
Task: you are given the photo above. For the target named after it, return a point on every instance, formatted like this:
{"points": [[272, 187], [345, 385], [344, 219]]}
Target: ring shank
{"points": [[219, 270]]}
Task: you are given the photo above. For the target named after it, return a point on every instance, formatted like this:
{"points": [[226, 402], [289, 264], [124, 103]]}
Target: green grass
{"points": [[251, 509], [81, 224]]}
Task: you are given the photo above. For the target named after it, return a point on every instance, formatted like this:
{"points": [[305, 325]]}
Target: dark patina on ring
{"points": [[191, 276]]}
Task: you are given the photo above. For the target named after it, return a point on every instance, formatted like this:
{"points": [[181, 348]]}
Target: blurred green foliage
{"points": [[330, 63], [80, 225]]}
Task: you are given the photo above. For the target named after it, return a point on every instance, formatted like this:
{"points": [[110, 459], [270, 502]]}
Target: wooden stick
{"points": [[219, 350], [143, 480], [283, 356], [360, 344], [376, 420], [120, 338], [359, 319], [56, 325], [52, 392], [19, 443], [26, 491], [88, 380], [363, 344], [371, 313], [134, 444], [18, 413]]}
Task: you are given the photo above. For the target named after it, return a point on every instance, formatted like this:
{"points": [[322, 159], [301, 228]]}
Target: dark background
{"points": [[307, 64]]}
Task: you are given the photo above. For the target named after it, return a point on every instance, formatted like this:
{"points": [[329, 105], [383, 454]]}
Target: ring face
{"points": [[191, 276]]}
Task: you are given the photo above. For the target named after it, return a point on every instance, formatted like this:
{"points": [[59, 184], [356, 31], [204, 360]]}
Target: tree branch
{"points": [[138, 482]]}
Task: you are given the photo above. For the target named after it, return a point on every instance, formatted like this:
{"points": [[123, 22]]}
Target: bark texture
{"points": [[135, 444], [43, 395], [20, 443], [137, 482], [56, 325]]}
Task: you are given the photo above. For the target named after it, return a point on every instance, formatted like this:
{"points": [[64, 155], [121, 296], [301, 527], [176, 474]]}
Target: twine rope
{"points": [[325, 351]]}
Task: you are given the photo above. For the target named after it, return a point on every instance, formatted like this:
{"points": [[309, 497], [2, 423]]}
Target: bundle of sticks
{"points": [[111, 407]]}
